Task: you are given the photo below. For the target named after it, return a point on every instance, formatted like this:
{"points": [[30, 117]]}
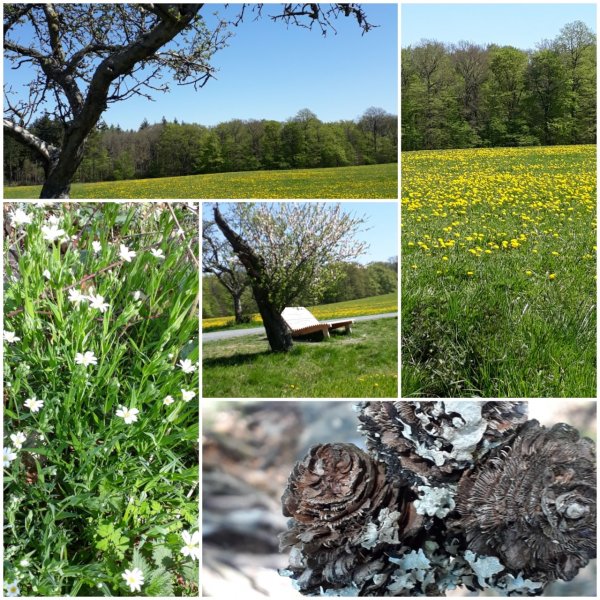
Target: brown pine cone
{"points": [[532, 503], [438, 439], [344, 513]]}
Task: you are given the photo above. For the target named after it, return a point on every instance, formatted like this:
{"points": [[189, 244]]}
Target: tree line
{"points": [[468, 95], [356, 281], [173, 148]]}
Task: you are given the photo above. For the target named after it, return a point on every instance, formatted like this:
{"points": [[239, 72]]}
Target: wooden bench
{"points": [[302, 322]]}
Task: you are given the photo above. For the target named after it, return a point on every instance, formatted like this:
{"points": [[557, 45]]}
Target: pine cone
{"points": [[344, 513], [437, 440], [532, 503]]}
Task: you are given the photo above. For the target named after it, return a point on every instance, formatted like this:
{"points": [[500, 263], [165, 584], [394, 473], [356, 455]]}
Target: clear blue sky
{"points": [[381, 224], [272, 71], [519, 25]]}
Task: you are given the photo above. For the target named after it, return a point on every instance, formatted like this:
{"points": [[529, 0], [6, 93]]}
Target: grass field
{"points": [[363, 364], [499, 272], [372, 181], [351, 308]]}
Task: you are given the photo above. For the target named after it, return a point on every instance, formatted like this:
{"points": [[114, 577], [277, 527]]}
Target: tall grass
{"points": [[499, 273], [90, 495]]}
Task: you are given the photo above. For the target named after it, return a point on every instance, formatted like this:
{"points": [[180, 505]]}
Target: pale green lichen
{"points": [[435, 501]]}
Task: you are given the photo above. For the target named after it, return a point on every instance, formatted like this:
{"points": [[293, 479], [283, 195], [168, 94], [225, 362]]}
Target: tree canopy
{"points": [[467, 95], [167, 149]]}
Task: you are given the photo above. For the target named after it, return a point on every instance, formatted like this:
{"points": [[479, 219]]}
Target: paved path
{"points": [[228, 334]]}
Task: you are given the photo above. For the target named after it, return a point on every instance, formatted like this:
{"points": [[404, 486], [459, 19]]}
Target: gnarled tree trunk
{"points": [[278, 335]]}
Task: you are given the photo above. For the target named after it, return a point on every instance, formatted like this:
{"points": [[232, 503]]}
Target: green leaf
{"points": [[191, 572], [162, 556], [105, 530], [160, 584], [102, 544], [29, 310], [140, 562]]}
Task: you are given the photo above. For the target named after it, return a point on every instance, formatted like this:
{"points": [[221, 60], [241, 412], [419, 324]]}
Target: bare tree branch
{"points": [[44, 150]]}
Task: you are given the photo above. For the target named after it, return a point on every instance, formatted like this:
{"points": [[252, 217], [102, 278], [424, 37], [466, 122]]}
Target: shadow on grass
{"points": [[243, 358], [235, 359]]}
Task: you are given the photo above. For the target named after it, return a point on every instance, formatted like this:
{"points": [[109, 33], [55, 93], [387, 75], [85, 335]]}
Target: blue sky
{"points": [[519, 25], [381, 224], [272, 71]]}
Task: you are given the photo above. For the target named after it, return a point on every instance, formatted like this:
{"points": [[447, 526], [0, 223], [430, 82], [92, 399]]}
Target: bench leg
{"points": [[326, 333]]}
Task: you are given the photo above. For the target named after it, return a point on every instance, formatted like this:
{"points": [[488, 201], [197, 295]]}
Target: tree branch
{"points": [[44, 151]]}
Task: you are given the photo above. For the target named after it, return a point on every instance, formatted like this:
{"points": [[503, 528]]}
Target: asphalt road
{"points": [[228, 334]]}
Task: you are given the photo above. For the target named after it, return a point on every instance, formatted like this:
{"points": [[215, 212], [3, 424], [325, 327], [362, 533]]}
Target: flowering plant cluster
{"points": [[100, 373]]}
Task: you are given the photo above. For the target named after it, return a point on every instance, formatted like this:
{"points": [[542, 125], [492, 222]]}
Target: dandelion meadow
{"points": [[372, 305], [100, 399], [370, 181], [499, 272]]}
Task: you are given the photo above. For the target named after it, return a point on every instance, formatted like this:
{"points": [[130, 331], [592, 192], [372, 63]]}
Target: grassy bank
{"points": [[371, 181], [362, 364]]}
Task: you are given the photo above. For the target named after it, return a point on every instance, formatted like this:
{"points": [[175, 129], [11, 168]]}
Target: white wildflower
{"points": [[46, 274], [125, 253], [157, 253], [186, 366], [19, 217], [98, 302], [18, 439], [168, 400], [96, 246], [10, 337], [76, 297], [33, 404], [137, 295], [52, 233], [128, 414], [134, 579], [8, 455], [53, 220], [86, 359], [187, 394], [192, 544], [12, 589]]}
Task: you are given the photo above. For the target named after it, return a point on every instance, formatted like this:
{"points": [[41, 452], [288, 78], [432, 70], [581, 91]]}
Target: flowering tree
{"points": [[86, 56], [291, 251], [448, 493]]}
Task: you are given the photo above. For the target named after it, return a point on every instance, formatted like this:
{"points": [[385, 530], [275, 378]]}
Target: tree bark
{"points": [[237, 308], [280, 339]]}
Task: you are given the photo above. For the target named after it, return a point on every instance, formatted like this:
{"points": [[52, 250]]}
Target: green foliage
{"points": [[87, 489], [111, 539], [465, 95], [174, 149]]}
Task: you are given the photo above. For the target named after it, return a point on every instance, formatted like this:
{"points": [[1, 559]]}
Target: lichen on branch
{"points": [[449, 493]]}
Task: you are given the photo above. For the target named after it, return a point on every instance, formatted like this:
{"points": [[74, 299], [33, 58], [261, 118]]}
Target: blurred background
{"points": [[249, 449]]}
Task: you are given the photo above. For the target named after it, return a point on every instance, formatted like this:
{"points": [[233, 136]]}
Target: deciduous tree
{"points": [[85, 56], [291, 251]]}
